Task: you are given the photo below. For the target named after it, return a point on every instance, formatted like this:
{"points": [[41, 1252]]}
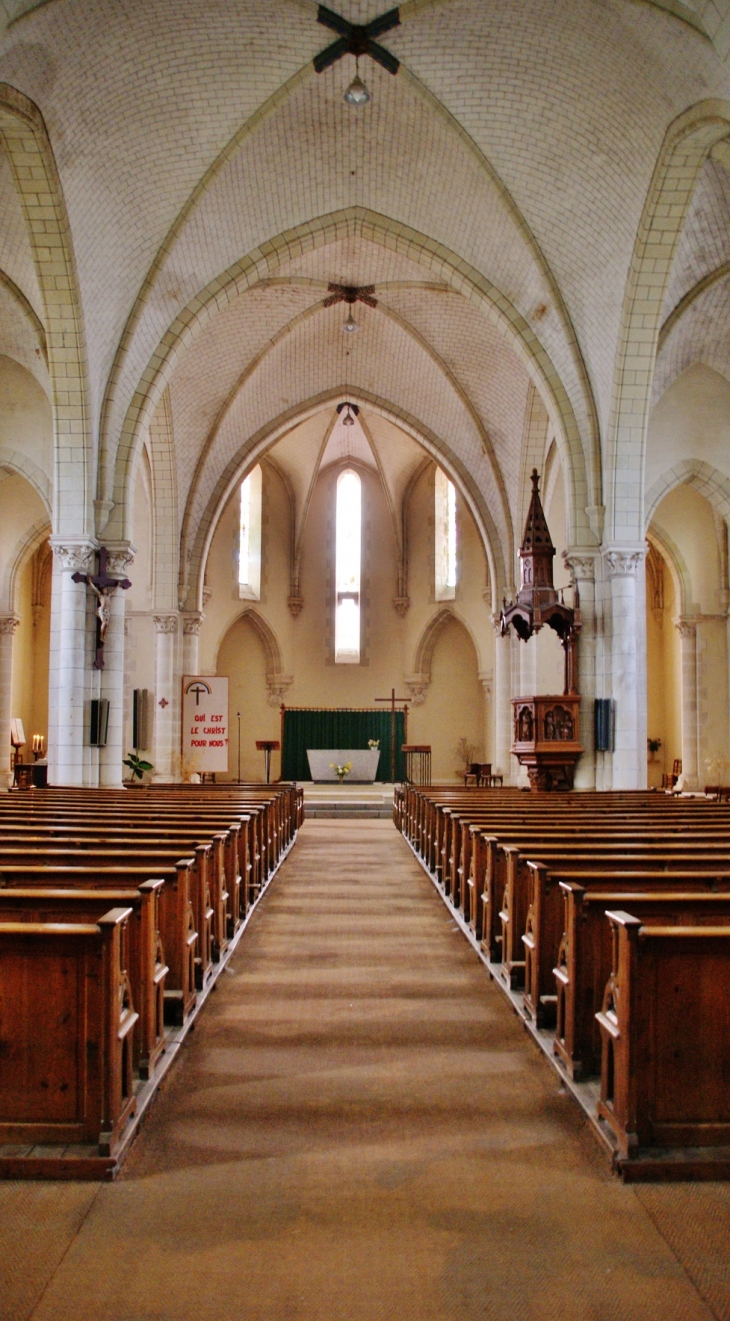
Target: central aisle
{"points": [[359, 1130]]}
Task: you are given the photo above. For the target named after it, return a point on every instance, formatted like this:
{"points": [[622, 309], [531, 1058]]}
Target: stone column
{"points": [[624, 568], [120, 557], [68, 664], [191, 622], [502, 760], [8, 625], [687, 629], [165, 734], [582, 566]]}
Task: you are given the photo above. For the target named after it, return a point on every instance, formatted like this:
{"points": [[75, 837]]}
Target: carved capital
{"points": [[402, 605], [74, 556], [582, 565], [623, 563], [687, 628], [191, 622], [8, 623], [277, 685], [418, 685], [166, 623], [119, 556], [207, 593], [296, 605]]}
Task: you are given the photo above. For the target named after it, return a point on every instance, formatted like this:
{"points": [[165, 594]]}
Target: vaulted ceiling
{"points": [[490, 191]]}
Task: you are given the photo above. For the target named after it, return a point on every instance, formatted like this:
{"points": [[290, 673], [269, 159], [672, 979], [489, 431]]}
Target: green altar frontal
{"points": [[339, 727]]}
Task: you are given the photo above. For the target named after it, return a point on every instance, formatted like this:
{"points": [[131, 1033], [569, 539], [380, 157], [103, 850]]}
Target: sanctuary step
{"points": [[345, 801]]}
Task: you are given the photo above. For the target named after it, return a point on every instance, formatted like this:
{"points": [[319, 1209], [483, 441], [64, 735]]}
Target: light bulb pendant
{"points": [[357, 93], [350, 325]]}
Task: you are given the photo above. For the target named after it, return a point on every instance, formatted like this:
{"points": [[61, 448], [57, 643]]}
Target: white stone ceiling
{"points": [[491, 192]]}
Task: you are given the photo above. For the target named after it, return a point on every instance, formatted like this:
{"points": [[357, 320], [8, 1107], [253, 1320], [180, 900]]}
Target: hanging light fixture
{"points": [[350, 325], [357, 93], [351, 412]]}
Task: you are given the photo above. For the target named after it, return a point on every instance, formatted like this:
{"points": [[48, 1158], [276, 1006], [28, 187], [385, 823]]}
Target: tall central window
{"points": [[445, 538], [348, 538]]}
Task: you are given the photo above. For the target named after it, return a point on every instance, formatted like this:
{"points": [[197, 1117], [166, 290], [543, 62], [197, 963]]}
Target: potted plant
{"points": [[137, 766], [653, 745]]}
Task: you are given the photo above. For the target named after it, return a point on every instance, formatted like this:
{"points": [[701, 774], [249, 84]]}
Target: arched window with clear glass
{"points": [[348, 537], [445, 537]]}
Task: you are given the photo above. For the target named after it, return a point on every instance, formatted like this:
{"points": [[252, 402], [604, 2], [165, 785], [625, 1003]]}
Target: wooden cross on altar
{"points": [[102, 585], [393, 699]]}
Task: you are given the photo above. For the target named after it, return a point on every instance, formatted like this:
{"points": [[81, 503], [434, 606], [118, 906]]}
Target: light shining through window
{"points": [[348, 537], [445, 537], [249, 545]]}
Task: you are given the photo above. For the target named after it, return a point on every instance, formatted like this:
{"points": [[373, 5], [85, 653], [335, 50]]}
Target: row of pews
{"points": [[117, 911], [606, 919]]}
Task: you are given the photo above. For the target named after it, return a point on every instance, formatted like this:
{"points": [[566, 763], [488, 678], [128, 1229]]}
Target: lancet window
{"points": [[249, 545], [445, 537], [348, 538]]}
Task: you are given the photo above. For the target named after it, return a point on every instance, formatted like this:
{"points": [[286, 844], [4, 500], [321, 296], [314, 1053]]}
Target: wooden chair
{"points": [[484, 779], [472, 774]]}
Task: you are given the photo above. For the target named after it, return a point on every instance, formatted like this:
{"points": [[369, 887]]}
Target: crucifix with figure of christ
{"points": [[393, 700], [102, 585]]}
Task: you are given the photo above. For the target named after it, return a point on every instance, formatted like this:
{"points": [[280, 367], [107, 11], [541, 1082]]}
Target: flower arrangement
{"points": [[374, 744], [653, 746], [341, 771]]}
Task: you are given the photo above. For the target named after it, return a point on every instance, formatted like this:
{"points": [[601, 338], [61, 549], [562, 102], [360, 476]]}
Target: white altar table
{"points": [[364, 764]]}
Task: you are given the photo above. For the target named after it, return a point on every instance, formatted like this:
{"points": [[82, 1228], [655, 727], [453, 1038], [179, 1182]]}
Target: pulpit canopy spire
{"points": [[537, 601]]}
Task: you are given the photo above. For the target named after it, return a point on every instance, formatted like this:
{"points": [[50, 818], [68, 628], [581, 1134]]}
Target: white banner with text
{"points": [[204, 724]]}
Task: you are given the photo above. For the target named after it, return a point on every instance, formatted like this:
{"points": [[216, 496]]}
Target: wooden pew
{"points": [[67, 1023], [177, 929], [531, 901], [665, 1034], [15, 867], [143, 960], [585, 955]]}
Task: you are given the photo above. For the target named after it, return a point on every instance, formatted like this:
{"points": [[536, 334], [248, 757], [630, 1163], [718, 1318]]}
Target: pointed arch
{"points": [[25, 547], [266, 635], [429, 637], [264, 262], [705, 479], [686, 146], [25, 140], [191, 587]]}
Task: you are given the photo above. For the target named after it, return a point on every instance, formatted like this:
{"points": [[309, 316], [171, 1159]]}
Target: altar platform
{"points": [[344, 801]]}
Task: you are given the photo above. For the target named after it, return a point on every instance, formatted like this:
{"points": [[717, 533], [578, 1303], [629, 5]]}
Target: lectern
{"points": [[267, 746]]}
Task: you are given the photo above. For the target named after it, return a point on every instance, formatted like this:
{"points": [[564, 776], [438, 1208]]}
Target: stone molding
{"points": [[486, 679], [277, 685], [191, 623], [74, 556], [296, 605], [120, 555], [623, 563], [8, 624], [166, 623], [582, 564], [418, 685], [402, 605]]}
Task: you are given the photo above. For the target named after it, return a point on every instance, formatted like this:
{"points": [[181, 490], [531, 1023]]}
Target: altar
{"points": [[364, 763]]}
